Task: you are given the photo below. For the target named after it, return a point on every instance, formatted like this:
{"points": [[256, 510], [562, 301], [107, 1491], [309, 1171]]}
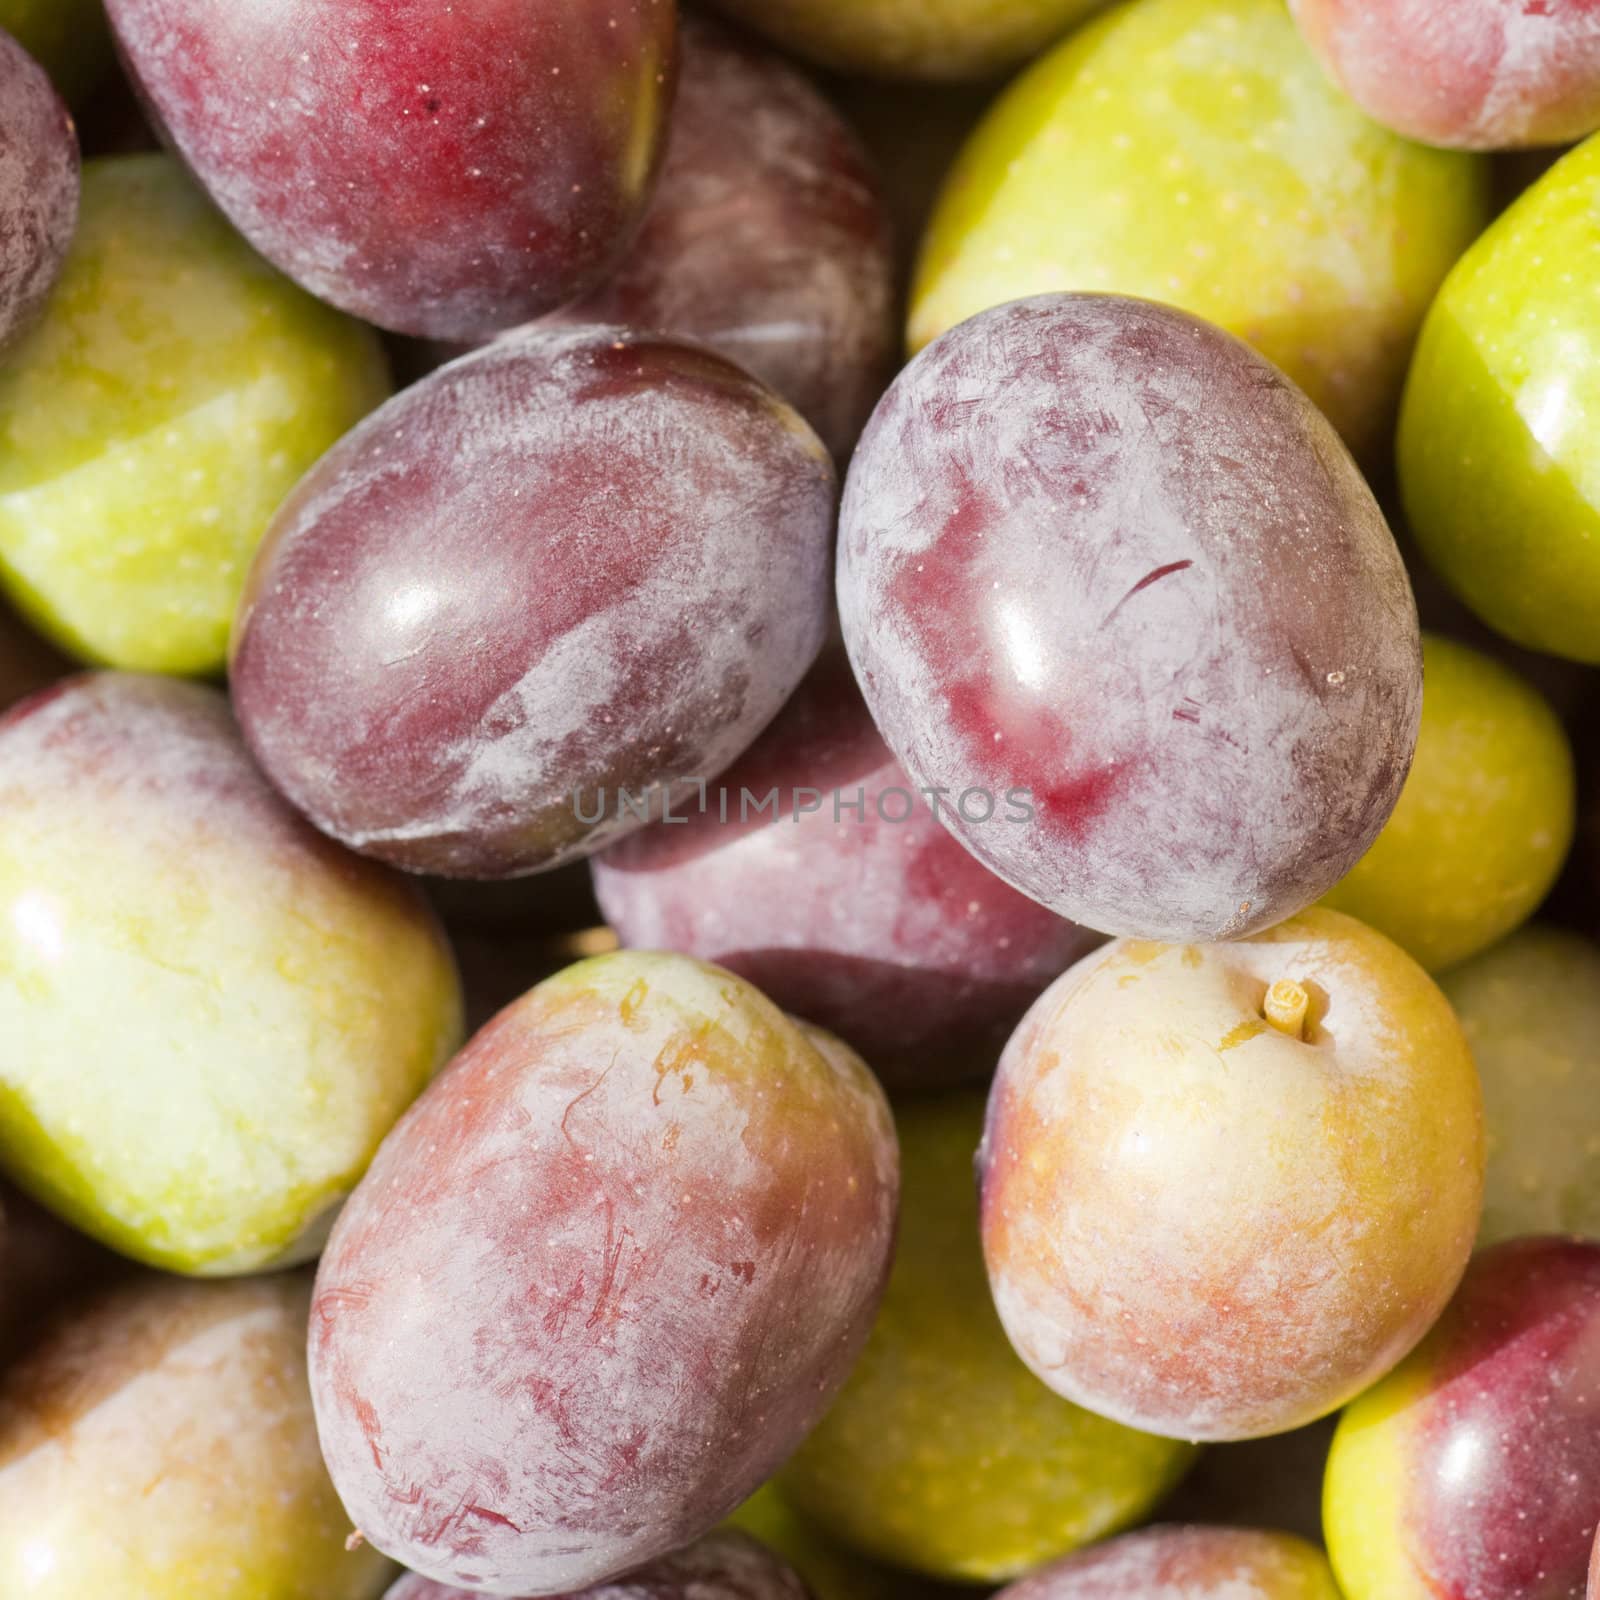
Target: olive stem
{"points": [[1285, 1008]]}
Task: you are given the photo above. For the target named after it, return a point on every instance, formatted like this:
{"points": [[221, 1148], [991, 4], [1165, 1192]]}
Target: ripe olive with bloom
{"points": [[602, 1279], [1227, 1187], [210, 1015]]}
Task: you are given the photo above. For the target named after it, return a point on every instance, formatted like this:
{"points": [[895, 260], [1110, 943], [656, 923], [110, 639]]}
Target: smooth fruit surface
{"points": [[1530, 1009], [1187, 1563], [1484, 822], [725, 1565], [602, 1279], [1214, 1225], [159, 1445], [1191, 151], [1498, 461], [149, 426], [843, 898], [1472, 74], [1100, 555], [577, 562], [766, 238], [446, 171], [1475, 1468], [209, 1016], [929, 39], [38, 189], [943, 1453]]}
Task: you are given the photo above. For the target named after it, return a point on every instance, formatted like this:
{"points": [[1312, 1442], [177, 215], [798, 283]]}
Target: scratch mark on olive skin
{"points": [[1145, 582]]}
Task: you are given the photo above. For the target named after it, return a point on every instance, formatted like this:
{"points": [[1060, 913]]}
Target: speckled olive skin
{"points": [[150, 424], [873, 923], [1498, 462], [724, 1565], [1192, 151], [1471, 75], [1206, 1227], [767, 238], [944, 1454], [917, 39], [1484, 822], [446, 171], [158, 1444], [38, 189], [209, 1015], [1100, 553], [1474, 1470], [1530, 1009], [602, 1279], [1187, 1563], [575, 562]]}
